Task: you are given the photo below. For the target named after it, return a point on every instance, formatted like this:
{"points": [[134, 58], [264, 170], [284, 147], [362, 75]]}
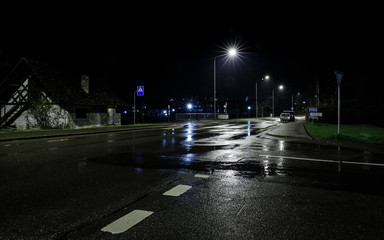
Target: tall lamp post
{"points": [[231, 52], [257, 107], [281, 87], [292, 107]]}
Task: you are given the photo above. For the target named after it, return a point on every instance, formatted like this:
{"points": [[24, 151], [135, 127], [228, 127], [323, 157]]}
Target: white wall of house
{"points": [[27, 121], [111, 115]]}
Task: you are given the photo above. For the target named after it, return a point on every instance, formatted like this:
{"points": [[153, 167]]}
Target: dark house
{"points": [[33, 86]]}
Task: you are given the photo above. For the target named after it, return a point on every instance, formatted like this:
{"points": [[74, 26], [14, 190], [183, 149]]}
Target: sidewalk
{"points": [[291, 130], [12, 136], [296, 130]]}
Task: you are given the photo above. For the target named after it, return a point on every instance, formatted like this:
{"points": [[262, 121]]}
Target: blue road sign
{"points": [[339, 76], [140, 90]]}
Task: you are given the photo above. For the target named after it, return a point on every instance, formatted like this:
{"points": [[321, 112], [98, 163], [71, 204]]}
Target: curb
{"points": [[31, 137], [292, 137]]}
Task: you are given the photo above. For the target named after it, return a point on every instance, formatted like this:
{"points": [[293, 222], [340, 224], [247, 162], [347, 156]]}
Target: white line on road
{"points": [[201, 176], [177, 191], [126, 222], [58, 140], [324, 160]]}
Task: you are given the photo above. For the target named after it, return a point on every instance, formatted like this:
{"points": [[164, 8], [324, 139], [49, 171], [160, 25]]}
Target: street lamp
{"points": [[232, 53], [298, 94], [257, 107], [281, 87]]}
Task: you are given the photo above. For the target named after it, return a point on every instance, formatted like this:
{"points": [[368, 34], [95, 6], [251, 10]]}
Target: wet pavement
{"points": [[294, 129], [259, 172]]}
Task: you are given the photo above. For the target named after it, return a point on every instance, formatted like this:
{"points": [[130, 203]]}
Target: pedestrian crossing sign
{"points": [[339, 76], [140, 90]]}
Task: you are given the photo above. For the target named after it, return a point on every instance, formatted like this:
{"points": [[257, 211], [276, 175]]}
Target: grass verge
{"points": [[82, 128], [354, 133]]}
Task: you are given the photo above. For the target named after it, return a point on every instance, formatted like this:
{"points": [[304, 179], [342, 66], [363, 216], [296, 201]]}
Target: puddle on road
{"points": [[187, 160]]}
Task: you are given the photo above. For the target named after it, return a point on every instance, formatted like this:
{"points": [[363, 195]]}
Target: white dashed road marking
{"points": [[177, 191], [126, 222], [201, 176], [324, 160], [58, 140], [131, 219]]}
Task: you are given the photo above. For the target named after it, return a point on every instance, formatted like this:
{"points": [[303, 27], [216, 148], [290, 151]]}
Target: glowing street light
{"points": [[281, 87], [232, 53], [257, 107]]}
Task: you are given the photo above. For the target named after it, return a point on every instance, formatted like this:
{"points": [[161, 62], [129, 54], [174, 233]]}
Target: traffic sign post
{"points": [[339, 76], [138, 92]]}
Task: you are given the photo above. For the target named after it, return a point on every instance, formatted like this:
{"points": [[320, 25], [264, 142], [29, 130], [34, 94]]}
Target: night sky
{"points": [[170, 50]]}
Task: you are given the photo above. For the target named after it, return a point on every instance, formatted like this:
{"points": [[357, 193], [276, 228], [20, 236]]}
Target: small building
{"points": [[37, 95]]}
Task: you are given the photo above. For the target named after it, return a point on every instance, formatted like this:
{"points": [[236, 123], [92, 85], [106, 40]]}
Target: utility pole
{"points": [[134, 107], [317, 92], [339, 76]]}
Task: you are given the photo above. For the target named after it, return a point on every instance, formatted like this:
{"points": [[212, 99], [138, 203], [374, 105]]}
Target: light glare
{"points": [[232, 52]]}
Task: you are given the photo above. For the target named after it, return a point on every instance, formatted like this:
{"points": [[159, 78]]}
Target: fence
{"points": [[199, 116], [193, 116]]}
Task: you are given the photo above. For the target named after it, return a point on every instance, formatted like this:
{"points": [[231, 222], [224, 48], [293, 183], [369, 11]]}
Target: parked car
{"points": [[285, 117], [292, 115]]}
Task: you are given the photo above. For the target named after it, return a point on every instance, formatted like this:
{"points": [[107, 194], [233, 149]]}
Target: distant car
{"points": [[292, 115], [285, 117]]}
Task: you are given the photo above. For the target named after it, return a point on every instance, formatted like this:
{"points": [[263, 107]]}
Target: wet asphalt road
{"points": [[252, 185]]}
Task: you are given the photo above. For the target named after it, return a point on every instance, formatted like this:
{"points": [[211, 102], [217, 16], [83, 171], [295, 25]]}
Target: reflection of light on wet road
{"points": [[188, 157], [265, 165], [281, 145], [231, 176], [189, 133], [189, 138]]}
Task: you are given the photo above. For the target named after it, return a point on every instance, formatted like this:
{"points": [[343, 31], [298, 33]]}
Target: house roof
{"points": [[58, 85]]}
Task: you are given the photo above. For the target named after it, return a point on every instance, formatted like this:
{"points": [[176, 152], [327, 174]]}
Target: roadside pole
{"points": [[169, 112], [134, 107], [338, 110], [138, 92], [339, 76]]}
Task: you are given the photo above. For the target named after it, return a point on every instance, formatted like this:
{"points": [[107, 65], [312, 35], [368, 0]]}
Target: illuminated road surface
{"points": [[195, 180]]}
